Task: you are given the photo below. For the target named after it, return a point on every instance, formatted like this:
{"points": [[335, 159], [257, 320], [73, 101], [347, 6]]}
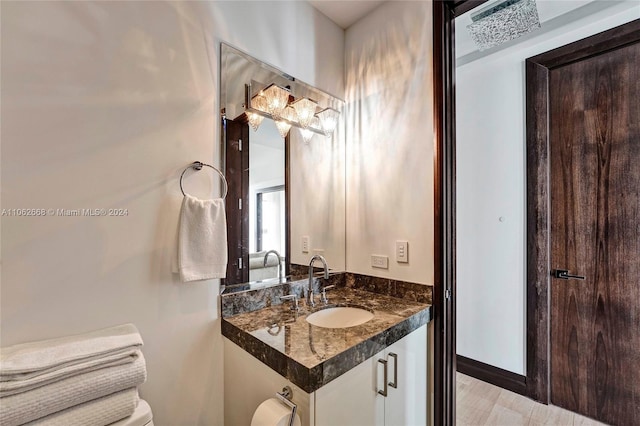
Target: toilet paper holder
{"points": [[285, 396]]}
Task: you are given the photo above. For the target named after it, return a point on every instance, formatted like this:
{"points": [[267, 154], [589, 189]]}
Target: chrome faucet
{"points": [[310, 301], [266, 255]]}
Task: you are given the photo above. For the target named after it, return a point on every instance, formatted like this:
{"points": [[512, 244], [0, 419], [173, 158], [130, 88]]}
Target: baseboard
{"points": [[490, 374]]}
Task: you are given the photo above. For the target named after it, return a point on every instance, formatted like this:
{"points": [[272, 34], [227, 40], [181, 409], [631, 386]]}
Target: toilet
{"points": [[141, 417]]}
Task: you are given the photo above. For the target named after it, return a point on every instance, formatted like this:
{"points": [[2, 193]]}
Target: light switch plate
{"points": [[305, 244], [402, 252]]}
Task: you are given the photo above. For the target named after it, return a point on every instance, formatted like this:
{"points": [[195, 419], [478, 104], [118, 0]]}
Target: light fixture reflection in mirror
{"points": [[289, 114], [328, 119], [260, 103], [306, 135]]}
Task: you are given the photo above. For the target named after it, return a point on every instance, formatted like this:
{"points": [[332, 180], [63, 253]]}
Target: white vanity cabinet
{"points": [[349, 400], [355, 398]]}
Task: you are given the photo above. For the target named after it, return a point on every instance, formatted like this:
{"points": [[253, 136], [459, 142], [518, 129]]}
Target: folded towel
{"points": [[202, 239], [56, 396], [28, 364], [18, 386], [256, 260], [98, 412]]}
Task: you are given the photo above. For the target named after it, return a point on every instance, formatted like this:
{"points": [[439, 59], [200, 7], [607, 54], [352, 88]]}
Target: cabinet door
{"points": [[352, 399], [406, 404]]}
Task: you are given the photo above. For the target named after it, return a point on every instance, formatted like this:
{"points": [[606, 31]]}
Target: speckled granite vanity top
{"points": [[311, 356]]}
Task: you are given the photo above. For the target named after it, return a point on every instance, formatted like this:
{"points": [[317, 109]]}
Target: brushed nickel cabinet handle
{"points": [[394, 384], [384, 363]]}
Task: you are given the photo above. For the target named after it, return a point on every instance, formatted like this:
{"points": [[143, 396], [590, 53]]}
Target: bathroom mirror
{"points": [[285, 193]]}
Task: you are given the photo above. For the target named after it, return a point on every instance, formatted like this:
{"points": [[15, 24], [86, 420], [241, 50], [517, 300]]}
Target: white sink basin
{"points": [[339, 317]]}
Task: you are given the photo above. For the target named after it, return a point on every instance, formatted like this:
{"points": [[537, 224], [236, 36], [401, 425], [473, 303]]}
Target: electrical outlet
{"points": [[379, 261], [305, 244], [402, 252], [318, 251]]}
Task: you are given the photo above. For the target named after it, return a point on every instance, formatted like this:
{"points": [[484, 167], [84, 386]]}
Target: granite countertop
{"points": [[311, 356]]}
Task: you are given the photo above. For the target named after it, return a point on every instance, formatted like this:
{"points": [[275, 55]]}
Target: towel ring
{"points": [[197, 165]]}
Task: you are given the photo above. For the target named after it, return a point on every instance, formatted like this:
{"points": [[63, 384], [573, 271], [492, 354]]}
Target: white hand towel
{"points": [[202, 239]]}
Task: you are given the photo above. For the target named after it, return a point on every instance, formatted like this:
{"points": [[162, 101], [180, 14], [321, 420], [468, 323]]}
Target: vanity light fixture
{"points": [[287, 117], [299, 112], [328, 120], [277, 99], [306, 110]]}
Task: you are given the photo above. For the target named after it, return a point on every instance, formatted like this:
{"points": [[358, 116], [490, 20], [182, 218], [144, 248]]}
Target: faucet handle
{"points": [[324, 293], [294, 301]]}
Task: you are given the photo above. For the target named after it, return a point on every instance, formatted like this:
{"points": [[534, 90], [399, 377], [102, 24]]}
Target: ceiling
{"points": [[345, 13], [552, 13]]}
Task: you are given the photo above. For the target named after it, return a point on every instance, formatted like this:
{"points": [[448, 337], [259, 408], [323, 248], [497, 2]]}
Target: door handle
{"points": [[564, 274], [384, 363], [394, 384]]}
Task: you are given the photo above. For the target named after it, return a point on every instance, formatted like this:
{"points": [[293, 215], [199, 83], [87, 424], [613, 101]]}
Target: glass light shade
{"points": [[259, 102], [283, 126], [328, 120], [306, 135], [277, 99], [306, 110], [254, 120], [315, 123]]}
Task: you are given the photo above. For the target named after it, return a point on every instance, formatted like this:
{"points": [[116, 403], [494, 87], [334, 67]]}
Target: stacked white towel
{"points": [[88, 379]]}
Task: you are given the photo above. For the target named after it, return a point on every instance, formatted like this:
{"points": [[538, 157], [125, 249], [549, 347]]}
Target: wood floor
{"points": [[479, 403]]}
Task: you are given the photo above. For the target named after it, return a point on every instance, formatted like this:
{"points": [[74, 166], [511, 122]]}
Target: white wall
{"points": [[103, 105], [491, 167], [389, 131]]}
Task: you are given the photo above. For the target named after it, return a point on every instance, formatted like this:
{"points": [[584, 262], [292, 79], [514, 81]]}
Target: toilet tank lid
{"points": [[140, 417]]}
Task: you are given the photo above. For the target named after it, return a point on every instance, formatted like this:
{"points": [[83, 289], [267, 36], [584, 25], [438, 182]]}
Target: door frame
{"points": [[444, 288], [238, 189], [538, 193], [538, 275], [237, 178]]}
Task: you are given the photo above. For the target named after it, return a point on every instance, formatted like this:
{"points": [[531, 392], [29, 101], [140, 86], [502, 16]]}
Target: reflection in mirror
{"points": [[266, 209], [281, 189]]}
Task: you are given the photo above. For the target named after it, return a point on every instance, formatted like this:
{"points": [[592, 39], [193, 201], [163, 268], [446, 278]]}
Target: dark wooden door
{"points": [[237, 201], [594, 149]]}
